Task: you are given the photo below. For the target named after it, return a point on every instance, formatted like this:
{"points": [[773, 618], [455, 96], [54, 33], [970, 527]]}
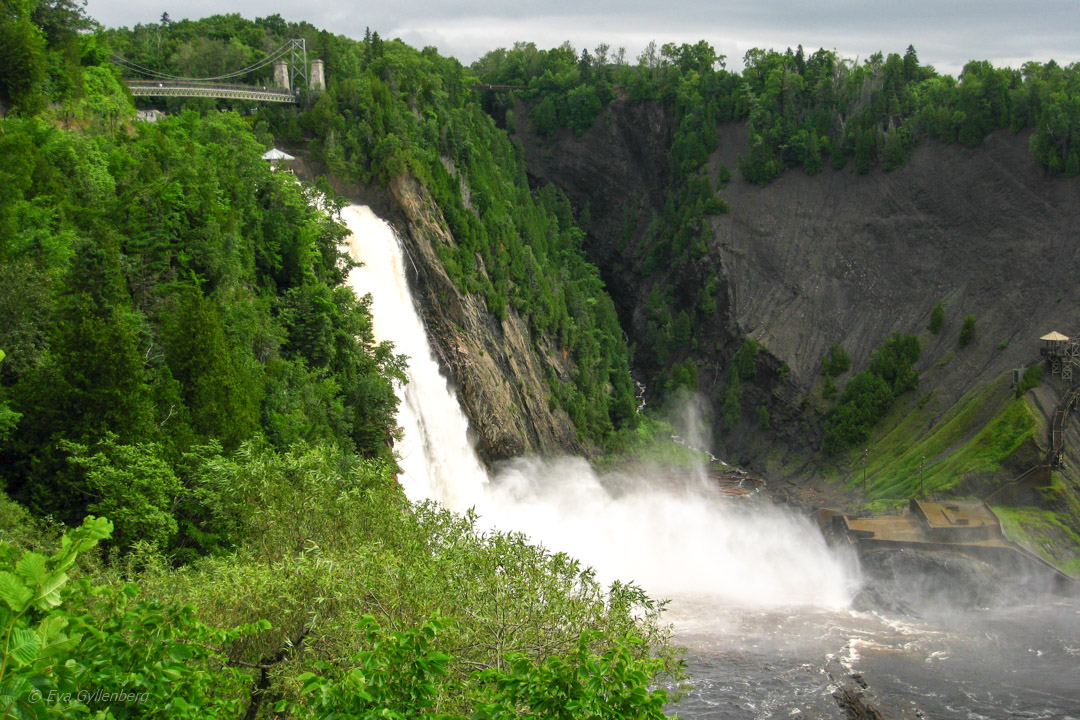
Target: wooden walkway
{"points": [[1057, 427]]}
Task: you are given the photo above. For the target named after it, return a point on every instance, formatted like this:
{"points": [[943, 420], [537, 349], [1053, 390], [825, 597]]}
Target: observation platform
{"points": [[968, 527], [958, 522]]}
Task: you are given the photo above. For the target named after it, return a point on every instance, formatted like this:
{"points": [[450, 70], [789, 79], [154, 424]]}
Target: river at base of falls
{"points": [[759, 601], [1021, 661]]}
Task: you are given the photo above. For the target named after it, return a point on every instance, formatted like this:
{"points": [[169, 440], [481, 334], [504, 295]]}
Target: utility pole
{"points": [[865, 454], [922, 477]]}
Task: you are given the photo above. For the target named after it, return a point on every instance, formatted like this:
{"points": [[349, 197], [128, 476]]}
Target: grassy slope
{"points": [[1043, 533], [973, 440]]}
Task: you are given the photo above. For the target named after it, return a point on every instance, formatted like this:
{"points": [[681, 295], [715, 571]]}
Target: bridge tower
{"points": [[298, 65], [281, 75]]}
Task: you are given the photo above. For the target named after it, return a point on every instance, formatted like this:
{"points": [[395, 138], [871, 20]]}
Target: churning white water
{"points": [[758, 600], [674, 537]]}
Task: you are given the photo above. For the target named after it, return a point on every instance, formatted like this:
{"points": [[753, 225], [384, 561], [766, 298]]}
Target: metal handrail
{"points": [[211, 90], [209, 85]]}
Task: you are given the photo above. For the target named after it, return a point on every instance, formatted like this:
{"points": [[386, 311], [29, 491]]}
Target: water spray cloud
{"points": [[676, 536]]}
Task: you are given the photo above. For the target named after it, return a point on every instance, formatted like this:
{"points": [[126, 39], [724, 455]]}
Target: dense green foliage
{"points": [[391, 111], [103, 650], [41, 51], [289, 625], [180, 354], [868, 395], [967, 331], [803, 109], [315, 575], [1032, 375], [836, 361], [828, 387], [743, 367], [168, 290]]}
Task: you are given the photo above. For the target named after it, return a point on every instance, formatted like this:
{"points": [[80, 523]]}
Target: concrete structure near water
{"points": [[968, 527], [960, 522]]}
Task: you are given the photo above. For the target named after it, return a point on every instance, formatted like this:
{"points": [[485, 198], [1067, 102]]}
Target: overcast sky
{"points": [[946, 33]]}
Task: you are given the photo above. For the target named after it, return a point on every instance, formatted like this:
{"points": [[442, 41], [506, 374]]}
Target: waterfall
{"points": [[436, 457], [673, 536]]}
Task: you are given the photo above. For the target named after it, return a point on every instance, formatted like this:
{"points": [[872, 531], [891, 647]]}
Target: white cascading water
{"points": [[436, 457], [673, 538]]}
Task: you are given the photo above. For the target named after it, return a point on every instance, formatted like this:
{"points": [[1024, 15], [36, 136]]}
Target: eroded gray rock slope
{"points": [[839, 257]]}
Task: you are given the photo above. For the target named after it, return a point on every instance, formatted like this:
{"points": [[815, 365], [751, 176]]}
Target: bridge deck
{"points": [[211, 90]]}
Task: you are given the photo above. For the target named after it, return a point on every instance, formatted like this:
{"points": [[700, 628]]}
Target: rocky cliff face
{"points": [[496, 367], [498, 370], [846, 258], [839, 257]]}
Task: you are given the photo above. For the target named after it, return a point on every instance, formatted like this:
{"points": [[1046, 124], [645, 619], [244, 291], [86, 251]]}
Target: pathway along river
{"points": [[762, 605]]}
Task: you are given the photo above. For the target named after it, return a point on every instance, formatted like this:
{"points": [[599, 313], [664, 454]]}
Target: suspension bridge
{"points": [[291, 73]]}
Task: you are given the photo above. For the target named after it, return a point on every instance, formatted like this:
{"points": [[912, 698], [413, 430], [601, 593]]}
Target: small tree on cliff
{"points": [[967, 331], [937, 318]]}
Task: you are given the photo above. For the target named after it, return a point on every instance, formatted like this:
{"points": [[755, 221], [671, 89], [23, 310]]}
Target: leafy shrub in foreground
{"points": [[103, 650], [397, 677]]}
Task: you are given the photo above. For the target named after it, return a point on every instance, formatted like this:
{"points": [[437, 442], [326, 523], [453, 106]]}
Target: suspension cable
{"points": [[275, 55]]}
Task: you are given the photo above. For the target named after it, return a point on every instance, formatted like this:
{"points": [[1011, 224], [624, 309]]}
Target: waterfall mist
{"points": [[674, 536]]}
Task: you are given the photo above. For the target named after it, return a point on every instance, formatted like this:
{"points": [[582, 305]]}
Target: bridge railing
{"points": [[207, 85], [167, 88]]}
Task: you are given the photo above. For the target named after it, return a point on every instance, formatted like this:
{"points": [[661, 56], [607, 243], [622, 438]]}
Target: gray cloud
{"points": [[946, 34]]}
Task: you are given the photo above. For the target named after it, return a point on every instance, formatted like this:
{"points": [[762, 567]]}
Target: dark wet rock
{"points": [[912, 581], [850, 698], [857, 700], [498, 369]]}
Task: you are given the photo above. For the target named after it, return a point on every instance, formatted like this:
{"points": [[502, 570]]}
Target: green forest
{"points": [[199, 512], [803, 109]]}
